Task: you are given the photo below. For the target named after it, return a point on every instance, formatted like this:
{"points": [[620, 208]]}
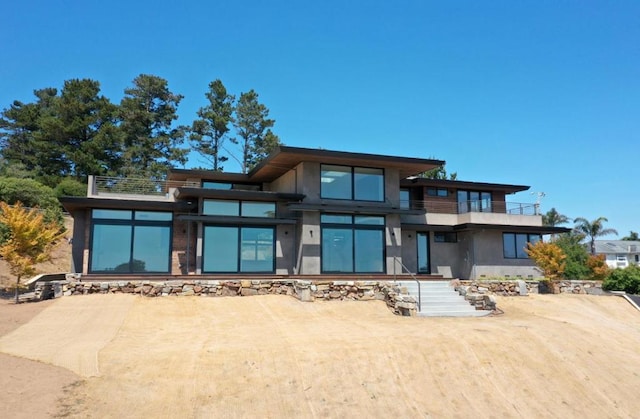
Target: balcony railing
{"points": [[463, 207], [137, 186]]}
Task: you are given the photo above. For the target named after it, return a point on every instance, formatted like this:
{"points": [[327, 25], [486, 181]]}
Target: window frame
{"points": [[132, 222], [522, 254], [434, 192], [352, 174], [445, 237], [240, 206], [474, 205], [239, 228], [353, 227]]}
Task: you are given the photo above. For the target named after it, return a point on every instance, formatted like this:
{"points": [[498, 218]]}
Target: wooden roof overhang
{"points": [[512, 228], [185, 193], [71, 204], [472, 227], [457, 184], [186, 174], [286, 158]]}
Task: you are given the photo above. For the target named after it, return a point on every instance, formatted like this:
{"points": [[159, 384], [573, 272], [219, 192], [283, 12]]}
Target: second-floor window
{"points": [[354, 183], [474, 201], [239, 208]]}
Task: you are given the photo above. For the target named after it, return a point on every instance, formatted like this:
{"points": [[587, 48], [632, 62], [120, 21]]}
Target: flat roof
{"points": [[459, 184], [285, 158]]}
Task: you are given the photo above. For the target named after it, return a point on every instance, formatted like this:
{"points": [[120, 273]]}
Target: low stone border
{"points": [[389, 292], [478, 291]]}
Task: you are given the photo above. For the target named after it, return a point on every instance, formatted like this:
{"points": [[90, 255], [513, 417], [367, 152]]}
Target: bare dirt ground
{"points": [[273, 356], [30, 389]]}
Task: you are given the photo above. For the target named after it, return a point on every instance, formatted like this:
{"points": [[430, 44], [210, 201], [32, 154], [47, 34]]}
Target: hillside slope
{"points": [[274, 356]]}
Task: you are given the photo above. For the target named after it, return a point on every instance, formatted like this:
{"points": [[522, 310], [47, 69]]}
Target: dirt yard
{"points": [[273, 356]]}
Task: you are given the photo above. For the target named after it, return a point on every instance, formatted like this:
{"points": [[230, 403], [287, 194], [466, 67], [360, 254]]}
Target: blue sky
{"points": [[541, 93]]}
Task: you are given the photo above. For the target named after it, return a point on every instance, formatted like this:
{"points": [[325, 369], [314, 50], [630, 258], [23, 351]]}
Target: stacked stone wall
{"points": [[303, 290]]}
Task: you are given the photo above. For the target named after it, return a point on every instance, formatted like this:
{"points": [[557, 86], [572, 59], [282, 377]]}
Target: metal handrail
{"points": [[137, 186], [402, 265], [464, 207]]}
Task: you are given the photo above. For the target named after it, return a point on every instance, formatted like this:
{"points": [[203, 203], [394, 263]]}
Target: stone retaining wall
{"points": [[499, 287], [477, 291], [303, 290], [514, 287]]}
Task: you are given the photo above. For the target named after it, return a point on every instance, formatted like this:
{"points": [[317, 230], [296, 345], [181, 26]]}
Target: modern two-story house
{"points": [[304, 213]]}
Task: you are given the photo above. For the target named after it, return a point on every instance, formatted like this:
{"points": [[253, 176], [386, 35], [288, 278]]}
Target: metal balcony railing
{"points": [[463, 207], [137, 186]]}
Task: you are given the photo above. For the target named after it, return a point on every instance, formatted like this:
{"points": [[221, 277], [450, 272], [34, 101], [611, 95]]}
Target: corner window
{"points": [[445, 237], [353, 183], [126, 241], [514, 244]]}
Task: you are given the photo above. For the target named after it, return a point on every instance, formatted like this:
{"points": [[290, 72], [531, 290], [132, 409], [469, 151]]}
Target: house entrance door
{"points": [[424, 267]]}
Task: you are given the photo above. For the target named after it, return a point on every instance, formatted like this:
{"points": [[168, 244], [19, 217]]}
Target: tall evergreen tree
{"points": [[148, 111], [21, 138], [209, 132], [87, 122], [73, 133], [252, 124]]}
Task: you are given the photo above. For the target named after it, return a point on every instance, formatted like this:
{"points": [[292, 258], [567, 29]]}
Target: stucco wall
{"points": [[488, 260], [285, 183], [309, 263], [285, 249]]}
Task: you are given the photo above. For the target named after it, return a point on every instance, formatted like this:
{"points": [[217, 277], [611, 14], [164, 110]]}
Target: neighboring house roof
{"points": [[458, 184], [617, 246]]}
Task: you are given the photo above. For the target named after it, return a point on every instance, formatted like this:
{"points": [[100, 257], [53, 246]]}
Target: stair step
{"points": [[440, 299], [434, 313]]}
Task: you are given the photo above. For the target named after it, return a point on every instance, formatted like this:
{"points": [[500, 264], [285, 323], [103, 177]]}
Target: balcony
{"points": [[135, 188], [474, 212], [464, 207]]}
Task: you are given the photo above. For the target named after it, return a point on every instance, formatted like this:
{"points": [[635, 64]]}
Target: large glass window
{"points": [[232, 249], [368, 184], [355, 183], [258, 209], [220, 207], [514, 244], [125, 241], [474, 201], [352, 244], [239, 208]]}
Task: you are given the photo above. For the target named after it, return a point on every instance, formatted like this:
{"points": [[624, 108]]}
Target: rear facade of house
{"points": [[304, 213]]}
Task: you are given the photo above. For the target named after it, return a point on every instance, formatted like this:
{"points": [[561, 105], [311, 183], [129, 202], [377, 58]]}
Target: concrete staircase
{"points": [[439, 299]]}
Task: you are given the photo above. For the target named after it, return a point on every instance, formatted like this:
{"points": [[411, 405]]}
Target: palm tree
{"points": [[633, 236], [593, 229], [553, 218]]}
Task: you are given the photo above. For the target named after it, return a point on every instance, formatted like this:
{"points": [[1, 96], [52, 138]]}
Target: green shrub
{"points": [[627, 279], [31, 194], [70, 187]]}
